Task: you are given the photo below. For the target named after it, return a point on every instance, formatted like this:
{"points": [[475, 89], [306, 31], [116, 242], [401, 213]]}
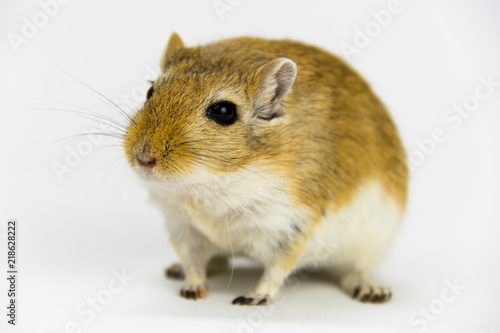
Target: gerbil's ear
{"points": [[175, 43], [274, 81]]}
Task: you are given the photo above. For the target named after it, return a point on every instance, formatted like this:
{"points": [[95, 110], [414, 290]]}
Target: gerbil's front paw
{"points": [[373, 294], [253, 299], [175, 271], [194, 291]]}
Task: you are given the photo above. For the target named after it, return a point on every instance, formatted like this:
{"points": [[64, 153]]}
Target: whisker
{"points": [[235, 164], [187, 142], [109, 146], [116, 122], [81, 109], [99, 118], [87, 115], [106, 100], [232, 258], [113, 135]]}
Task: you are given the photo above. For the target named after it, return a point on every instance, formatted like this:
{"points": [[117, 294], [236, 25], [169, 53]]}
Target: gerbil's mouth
{"points": [[180, 183], [148, 172]]}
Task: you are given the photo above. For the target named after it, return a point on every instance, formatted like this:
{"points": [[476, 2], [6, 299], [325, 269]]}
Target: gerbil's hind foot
{"points": [[252, 299], [175, 271], [194, 291], [373, 294], [362, 289]]}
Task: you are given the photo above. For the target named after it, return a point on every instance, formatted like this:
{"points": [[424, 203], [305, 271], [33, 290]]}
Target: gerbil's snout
{"points": [[148, 161], [144, 155]]}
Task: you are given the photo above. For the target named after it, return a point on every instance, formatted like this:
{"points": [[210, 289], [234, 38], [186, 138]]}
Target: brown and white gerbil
{"points": [[274, 150]]}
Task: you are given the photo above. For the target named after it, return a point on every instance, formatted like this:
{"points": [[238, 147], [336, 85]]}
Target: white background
{"points": [[74, 233]]}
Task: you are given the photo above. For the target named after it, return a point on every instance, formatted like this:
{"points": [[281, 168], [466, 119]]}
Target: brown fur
{"points": [[335, 133]]}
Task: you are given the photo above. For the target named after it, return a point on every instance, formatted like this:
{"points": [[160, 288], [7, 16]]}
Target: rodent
{"points": [[275, 150]]}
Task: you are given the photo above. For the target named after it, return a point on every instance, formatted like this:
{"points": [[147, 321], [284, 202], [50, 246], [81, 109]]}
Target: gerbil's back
{"points": [[338, 133]]}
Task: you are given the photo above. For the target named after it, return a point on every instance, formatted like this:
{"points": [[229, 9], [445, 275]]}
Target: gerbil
{"points": [[274, 150]]}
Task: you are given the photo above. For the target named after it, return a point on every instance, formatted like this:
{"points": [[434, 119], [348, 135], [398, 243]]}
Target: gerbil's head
{"points": [[214, 110]]}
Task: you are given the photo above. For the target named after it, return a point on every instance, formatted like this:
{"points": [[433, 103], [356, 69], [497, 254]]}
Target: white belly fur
{"points": [[358, 236]]}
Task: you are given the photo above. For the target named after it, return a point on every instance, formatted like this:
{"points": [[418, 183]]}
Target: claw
{"points": [[194, 292], [251, 300]]}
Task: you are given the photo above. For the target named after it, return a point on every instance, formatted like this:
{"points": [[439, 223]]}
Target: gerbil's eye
{"points": [[223, 113], [150, 93]]}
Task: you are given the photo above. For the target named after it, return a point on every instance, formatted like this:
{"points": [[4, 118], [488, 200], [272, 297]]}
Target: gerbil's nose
{"points": [[148, 161]]}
